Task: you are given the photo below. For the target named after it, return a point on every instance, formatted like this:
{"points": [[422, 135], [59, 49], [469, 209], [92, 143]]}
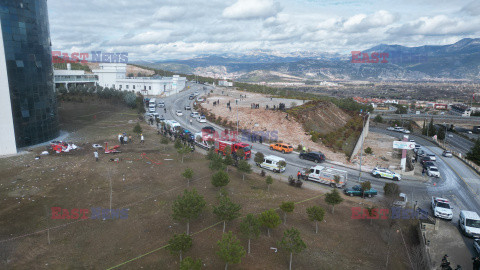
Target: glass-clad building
{"points": [[28, 57]]}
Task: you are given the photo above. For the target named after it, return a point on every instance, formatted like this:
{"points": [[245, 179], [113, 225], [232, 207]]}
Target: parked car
{"points": [[447, 154], [188, 108], [469, 223], [441, 208], [391, 128], [432, 157], [417, 146], [196, 93], [208, 130], [406, 131], [316, 157], [398, 129], [161, 104], [282, 147], [202, 119], [386, 173], [425, 159], [191, 97], [358, 191], [427, 164], [433, 171], [179, 113], [476, 245], [200, 99]]}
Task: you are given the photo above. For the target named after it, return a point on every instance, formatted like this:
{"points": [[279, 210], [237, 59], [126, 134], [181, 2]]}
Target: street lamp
{"points": [[445, 139], [361, 146]]}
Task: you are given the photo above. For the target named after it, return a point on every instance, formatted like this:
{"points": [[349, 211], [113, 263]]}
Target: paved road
{"points": [[294, 164], [458, 182]]}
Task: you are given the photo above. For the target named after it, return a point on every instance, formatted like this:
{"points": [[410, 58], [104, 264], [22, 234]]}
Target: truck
{"points": [[401, 200], [220, 146], [326, 176], [441, 208]]}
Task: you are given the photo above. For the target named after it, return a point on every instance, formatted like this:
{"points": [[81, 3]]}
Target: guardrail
{"points": [[469, 163]]}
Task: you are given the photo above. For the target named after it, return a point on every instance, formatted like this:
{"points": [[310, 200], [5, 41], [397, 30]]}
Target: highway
{"points": [[458, 182]]}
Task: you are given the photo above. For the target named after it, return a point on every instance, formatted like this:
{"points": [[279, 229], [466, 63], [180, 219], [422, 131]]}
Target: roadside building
{"points": [[460, 109]]}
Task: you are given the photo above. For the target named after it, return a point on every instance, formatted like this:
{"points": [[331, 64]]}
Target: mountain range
{"points": [[458, 61]]}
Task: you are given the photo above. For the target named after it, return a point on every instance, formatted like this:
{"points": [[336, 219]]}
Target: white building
{"points": [[113, 75], [7, 132], [225, 83], [69, 76], [460, 109]]}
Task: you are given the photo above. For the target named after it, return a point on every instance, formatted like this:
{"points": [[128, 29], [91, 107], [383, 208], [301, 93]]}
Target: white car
{"points": [[179, 113], [202, 119], [188, 108], [432, 157], [386, 173], [406, 131], [441, 208], [194, 114], [391, 128], [200, 99], [447, 154], [399, 129], [432, 171], [196, 93]]}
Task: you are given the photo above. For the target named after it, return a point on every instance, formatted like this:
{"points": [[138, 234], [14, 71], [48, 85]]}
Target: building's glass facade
{"points": [[26, 38]]}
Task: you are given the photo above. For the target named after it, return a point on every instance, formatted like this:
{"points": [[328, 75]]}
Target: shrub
{"points": [[368, 150]]}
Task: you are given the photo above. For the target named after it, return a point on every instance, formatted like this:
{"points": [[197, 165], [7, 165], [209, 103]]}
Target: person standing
{"points": [[476, 263], [125, 139], [260, 139], [121, 139], [298, 175], [95, 154], [142, 139]]}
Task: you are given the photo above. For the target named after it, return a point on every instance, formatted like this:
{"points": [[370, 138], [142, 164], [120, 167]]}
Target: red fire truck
{"points": [[234, 146]]}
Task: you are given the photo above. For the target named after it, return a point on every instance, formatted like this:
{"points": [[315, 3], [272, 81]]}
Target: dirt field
{"points": [[290, 131], [146, 180], [382, 151]]}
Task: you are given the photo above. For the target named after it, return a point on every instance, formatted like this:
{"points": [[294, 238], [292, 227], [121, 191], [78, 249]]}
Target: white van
{"points": [[469, 223], [172, 124], [326, 176], [271, 163]]}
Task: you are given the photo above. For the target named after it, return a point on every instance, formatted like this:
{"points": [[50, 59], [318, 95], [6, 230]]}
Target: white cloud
{"points": [[172, 29], [437, 25], [252, 9], [363, 22]]}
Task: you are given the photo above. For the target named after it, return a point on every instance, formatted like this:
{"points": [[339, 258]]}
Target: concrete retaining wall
{"points": [[362, 138]]}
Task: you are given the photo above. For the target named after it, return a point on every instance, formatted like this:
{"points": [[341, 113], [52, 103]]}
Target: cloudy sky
{"points": [[172, 29]]}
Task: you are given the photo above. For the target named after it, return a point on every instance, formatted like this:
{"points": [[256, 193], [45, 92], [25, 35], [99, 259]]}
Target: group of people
{"points": [[255, 138], [124, 139], [254, 106]]}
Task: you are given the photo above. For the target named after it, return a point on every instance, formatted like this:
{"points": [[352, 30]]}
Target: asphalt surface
{"points": [[458, 182]]}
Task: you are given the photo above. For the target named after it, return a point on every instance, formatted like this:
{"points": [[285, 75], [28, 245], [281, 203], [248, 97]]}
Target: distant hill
{"points": [[458, 61]]}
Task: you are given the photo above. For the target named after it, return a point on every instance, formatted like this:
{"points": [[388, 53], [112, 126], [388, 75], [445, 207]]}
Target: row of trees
{"points": [[129, 98], [430, 130], [190, 205]]}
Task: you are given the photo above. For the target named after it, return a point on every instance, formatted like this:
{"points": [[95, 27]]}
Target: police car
{"points": [[386, 173]]}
